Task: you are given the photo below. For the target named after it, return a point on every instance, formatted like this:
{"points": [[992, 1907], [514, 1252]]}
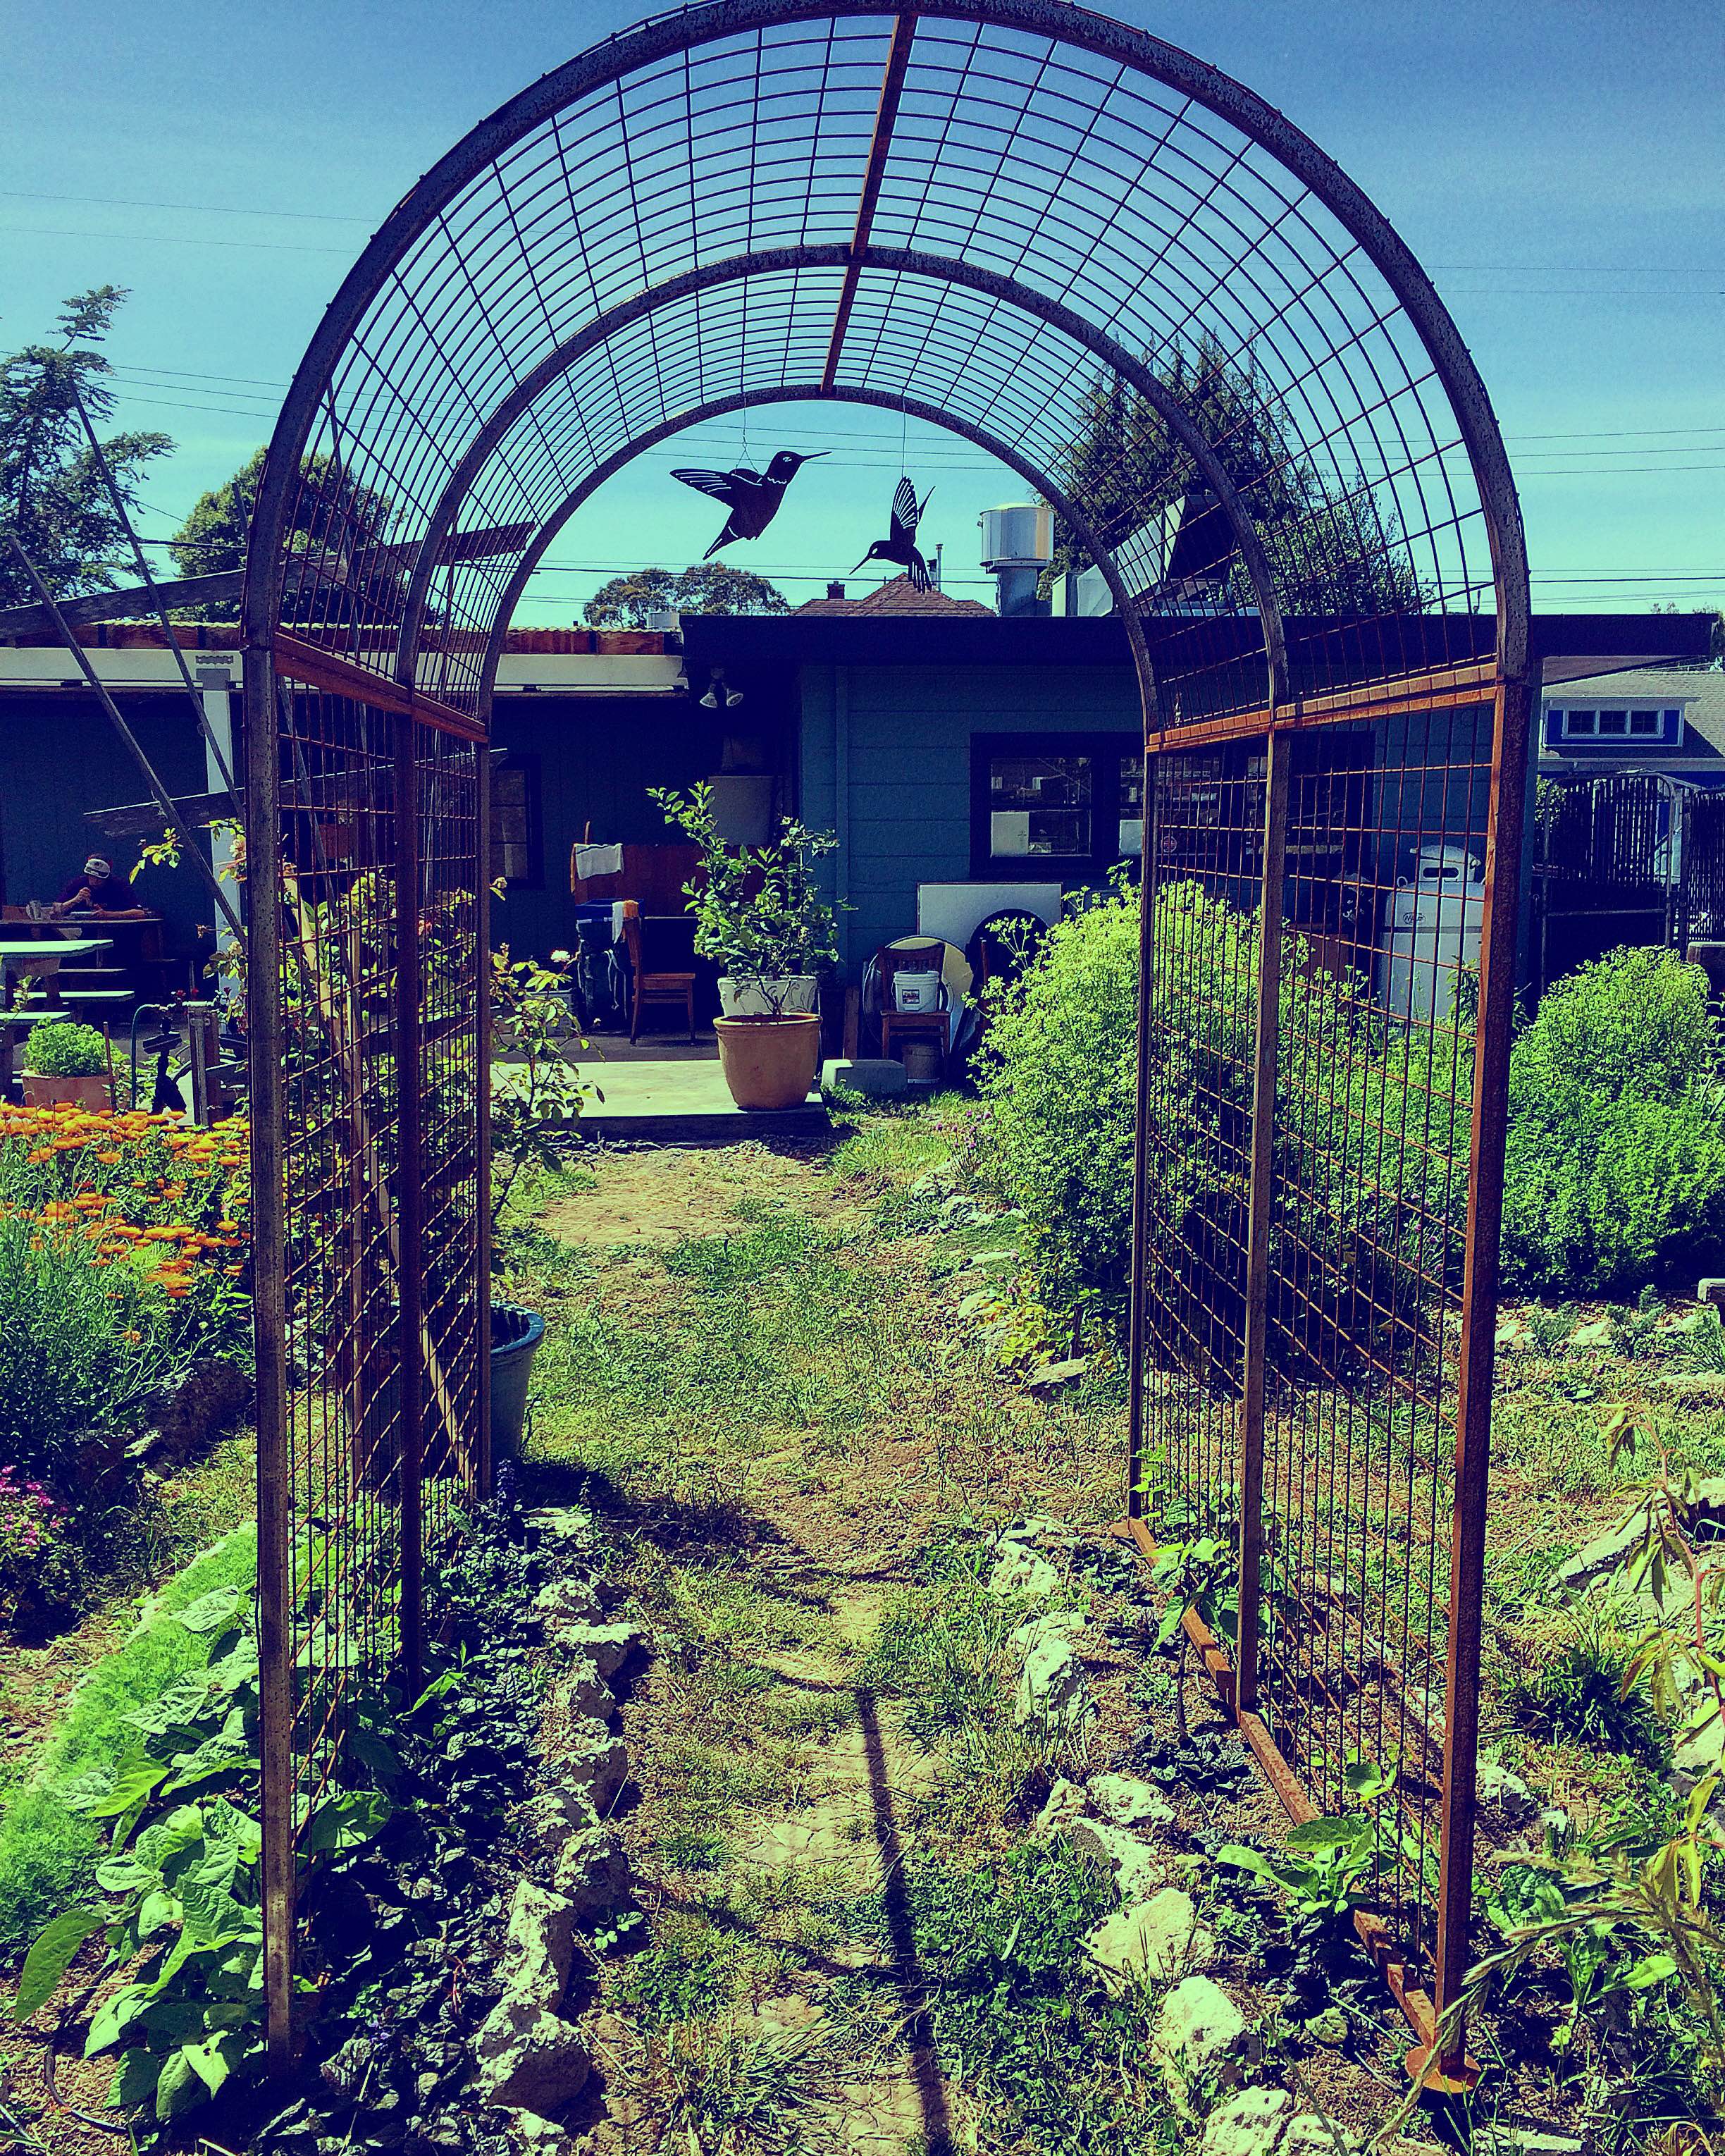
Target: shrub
{"points": [[55, 1048], [1615, 1164]]}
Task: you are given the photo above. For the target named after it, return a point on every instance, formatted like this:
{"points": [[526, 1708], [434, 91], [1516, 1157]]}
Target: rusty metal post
{"points": [[1504, 833], [482, 1107], [267, 1039], [1261, 1171], [1141, 1150], [409, 1201]]}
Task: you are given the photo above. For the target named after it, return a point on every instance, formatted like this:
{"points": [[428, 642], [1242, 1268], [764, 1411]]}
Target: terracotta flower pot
{"points": [[64, 1092], [769, 1062]]}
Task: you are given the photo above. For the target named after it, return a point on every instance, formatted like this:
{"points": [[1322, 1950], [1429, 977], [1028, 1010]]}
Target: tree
{"points": [[703, 587], [1332, 549], [51, 491], [331, 517]]}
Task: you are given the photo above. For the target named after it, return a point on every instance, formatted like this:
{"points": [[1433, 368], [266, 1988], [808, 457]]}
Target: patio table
{"points": [[42, 957]]}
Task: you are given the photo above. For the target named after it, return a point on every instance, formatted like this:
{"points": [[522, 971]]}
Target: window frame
{"points": [[528, 765], [1105, 750], [1561, 727]]}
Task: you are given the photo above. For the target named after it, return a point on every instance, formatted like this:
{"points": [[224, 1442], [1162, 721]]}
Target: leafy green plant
{"points": [[538, 1094], [1577, 1683], [1199, 1576], [1703, 1344], [1548, 1329], [1321, 1867], [758, 912], [183, 1880], [1614, 1165], [56, 1048], [1679, 1656]]}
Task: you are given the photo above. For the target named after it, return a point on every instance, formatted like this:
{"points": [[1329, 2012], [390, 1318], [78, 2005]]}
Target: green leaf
{"points": [[212, 1612], [178, 2088], [340, 1822], [211, 2060], [1248, 1860], [55, 1950], [115, 2015], [136, 2081], [1650, 1970], [1337, 1834]]}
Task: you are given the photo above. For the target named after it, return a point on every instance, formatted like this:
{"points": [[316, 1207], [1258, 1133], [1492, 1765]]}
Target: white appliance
{"points": [[954, 911], [1431, 931]]}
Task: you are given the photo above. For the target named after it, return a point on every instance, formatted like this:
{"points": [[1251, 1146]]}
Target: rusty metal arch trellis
{"points": [[1032, 225]]}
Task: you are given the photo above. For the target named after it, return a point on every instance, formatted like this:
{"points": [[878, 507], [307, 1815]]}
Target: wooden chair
{"points": [[912, 1026], [652, 988]]}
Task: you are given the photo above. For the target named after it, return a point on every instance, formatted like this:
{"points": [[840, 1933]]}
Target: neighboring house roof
{"points": [[898, 595], [1698, 690]]}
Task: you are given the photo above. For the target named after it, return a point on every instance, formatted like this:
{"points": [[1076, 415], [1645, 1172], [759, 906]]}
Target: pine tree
{"points": [[53, 494]]}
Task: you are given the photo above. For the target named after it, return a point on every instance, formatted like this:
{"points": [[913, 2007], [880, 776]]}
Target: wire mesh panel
{"points": [[1317, 907], [368, 1015]]}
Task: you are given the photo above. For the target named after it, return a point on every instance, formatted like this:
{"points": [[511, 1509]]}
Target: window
{"points": [[1057, 807], [1645, 724], [515, 821]]}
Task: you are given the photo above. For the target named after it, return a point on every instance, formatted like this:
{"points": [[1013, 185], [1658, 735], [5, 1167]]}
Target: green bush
{"points": [[1373, 1121], [1614, 1165], [80, 1346], [55, 1048], [49, 1851]]}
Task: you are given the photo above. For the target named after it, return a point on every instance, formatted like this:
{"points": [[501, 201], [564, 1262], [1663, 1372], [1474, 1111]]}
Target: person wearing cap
{"points": [[93, 891]]}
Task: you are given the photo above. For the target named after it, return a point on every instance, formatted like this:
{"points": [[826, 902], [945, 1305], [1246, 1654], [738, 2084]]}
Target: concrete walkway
{"points": [[685, 1103]]}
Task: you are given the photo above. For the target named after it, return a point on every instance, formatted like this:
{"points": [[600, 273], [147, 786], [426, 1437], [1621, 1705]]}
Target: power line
{"points": [[199, 209], [174, 239]]}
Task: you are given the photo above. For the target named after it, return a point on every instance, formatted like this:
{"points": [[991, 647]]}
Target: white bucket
{"points": [[917, 992]]}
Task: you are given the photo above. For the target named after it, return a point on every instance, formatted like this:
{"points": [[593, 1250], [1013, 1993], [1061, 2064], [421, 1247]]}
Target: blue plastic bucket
{"points": [[515, 1335]]}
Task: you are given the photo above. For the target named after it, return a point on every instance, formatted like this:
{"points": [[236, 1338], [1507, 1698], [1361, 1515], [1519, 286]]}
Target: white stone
{"points": [[1254, 2123], [538, 1947], [591, 1871], [607, 1647], [1135, 1870], [1052, 1690], [569, 1601], [1125, 1801], [1020, 1574], [1311, 2135], [593, 1761], [560, 1523], [1152, 1942], [1198, 2034], [529, 2059], [543, 2136], [547, 1821], [1065, 1803], [1504, 1793], [1051, 1625], [581, 1693]]}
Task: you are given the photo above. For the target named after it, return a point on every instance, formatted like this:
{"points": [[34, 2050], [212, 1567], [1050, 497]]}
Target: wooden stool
{"points": [[663, 988], [935, 1025]]}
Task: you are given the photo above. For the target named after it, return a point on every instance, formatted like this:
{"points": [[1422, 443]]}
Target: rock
{"points": [[1254, 2123], [1697, 1757], [1199, 2033], [1605, 1553], [591, 1872], [1021, 1573], [1504, 1793], [1311, 2134], [581, 1693], [1691, 1384], [1328, 2028], [1052, 1690], [875, 1077], [1595, 1333], [560, 1523], [1135, 1871], [1047, 1376], [543, 2136], [607, 1647], [1065, 1803], [1125, 1801], [1152, 1942], [1051, 1625], [566, 1601], [556, 1815], [529, 2060], [1038, 1527], [591, 1759], [538, 1947], [186, 1417], [1711, 1291]]}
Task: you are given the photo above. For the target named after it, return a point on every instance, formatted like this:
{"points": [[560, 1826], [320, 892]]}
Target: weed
{"points": [[685, 1979], [1578, 1683], [754, 2091], [1703, 1350], [1549, 1328]]}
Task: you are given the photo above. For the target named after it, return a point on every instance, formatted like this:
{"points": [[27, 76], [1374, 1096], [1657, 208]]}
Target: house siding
{"points": [[886, 763]]}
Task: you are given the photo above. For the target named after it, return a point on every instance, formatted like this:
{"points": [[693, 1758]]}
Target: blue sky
{"points": [[1557, 164]]}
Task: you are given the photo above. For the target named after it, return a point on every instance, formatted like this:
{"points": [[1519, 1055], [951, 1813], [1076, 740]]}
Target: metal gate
{"points": [[1329, 929], [368, 1000]]}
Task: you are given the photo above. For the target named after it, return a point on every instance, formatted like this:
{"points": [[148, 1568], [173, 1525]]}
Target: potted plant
{"points": [[536, 1099], [760, 917], [66, 1064]]}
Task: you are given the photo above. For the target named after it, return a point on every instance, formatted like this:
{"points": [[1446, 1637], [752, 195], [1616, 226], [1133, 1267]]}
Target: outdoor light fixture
{"points": [[719, 693]]}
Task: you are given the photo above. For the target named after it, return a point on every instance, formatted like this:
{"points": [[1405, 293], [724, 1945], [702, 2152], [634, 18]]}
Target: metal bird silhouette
{"points": [[900, 544], [752, 497]]}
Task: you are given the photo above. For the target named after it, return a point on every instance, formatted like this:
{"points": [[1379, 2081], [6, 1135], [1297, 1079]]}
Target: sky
{"points": [[1558, 165]]}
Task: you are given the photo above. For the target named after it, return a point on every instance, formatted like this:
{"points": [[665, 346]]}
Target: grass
{"points": [[47, 1850]]}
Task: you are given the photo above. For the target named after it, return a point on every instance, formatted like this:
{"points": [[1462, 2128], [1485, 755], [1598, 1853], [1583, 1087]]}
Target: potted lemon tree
{"points": [[66, 1065], [759, 916]]}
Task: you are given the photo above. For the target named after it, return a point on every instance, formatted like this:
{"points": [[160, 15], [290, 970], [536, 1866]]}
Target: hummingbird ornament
{"points": [[900, 544], [750, 497]]}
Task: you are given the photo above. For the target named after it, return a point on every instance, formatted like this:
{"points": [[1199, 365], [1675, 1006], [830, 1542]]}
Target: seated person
{"points": [[96, 891]]}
